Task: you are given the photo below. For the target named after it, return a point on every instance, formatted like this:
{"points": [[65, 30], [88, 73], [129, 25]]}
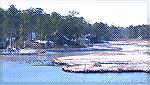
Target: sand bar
{"points": [[105, 62]]}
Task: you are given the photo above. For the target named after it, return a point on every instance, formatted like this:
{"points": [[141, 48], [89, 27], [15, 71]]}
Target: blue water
{"points": [[14, 72], [25, 73]]}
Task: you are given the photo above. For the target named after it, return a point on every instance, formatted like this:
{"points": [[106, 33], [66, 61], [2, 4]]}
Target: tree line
{"points": [[17, 24]]}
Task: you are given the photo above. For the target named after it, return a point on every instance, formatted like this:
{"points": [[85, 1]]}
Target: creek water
{"points": [[23, 72]]}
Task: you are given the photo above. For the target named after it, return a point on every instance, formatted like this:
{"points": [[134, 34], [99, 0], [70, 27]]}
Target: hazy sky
{"points": [[116, 12]]}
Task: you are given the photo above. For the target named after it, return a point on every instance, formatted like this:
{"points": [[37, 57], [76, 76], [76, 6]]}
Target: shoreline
{"points": [[106, 71], [104, 63], [116, 60]]}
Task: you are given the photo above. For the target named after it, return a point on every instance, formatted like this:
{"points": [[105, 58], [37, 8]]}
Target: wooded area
{"points": [[17, 24]]}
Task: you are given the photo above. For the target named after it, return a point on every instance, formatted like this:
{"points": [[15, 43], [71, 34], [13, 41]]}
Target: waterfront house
{"points": [[32, 36]]}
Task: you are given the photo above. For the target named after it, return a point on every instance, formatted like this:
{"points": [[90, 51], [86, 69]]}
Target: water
{"points": [[14, 72], [24, 72]]}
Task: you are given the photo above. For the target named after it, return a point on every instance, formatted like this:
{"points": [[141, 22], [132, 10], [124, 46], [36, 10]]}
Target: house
{"points": [[61, 40], [32, 36], [84, 40], [3, 43]]}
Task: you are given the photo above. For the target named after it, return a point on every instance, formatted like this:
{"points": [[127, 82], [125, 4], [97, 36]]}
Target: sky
{"points": [[112, 12]]}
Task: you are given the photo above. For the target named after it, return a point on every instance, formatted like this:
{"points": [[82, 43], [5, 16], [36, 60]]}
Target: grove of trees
{"points": [[17, 24]]}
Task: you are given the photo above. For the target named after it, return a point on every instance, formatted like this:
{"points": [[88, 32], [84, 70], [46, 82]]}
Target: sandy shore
{"points": [[137, 60], [105, 62]]}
